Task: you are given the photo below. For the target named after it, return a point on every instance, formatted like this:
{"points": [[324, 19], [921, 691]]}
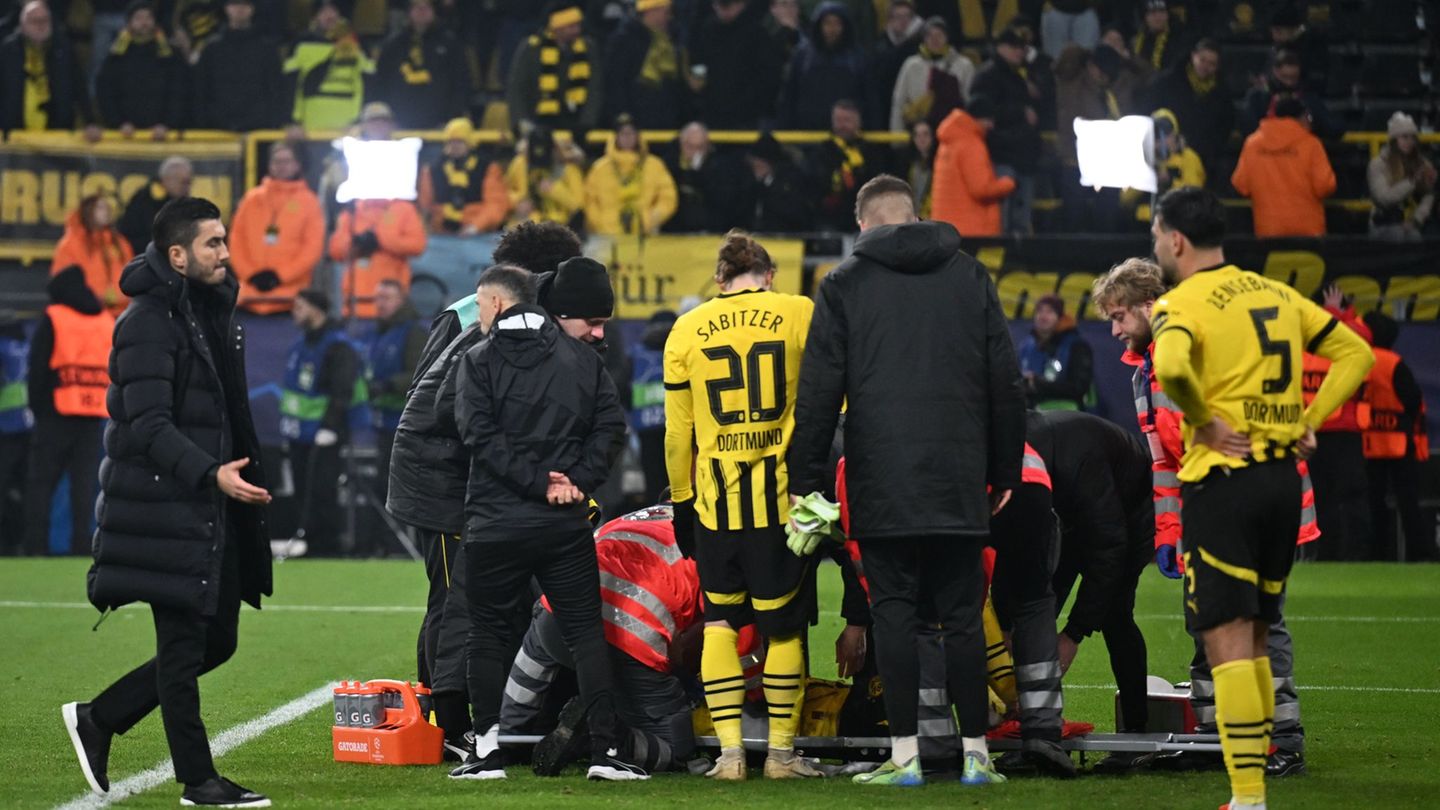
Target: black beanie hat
{"points": [[580, 288], [315, 298]]}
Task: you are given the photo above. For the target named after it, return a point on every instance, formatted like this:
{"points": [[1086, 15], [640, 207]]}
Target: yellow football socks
{"points": [[724, 682], [1244, 727], [784, 689], [1266, 681], [999, 667]]}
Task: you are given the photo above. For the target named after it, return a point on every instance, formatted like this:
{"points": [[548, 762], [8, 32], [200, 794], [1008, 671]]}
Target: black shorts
{"points": [[748, 575], [1238, 537]]}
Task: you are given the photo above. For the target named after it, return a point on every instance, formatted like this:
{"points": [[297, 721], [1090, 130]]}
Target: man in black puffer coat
{"points": [[909, 330], [180, 526]]}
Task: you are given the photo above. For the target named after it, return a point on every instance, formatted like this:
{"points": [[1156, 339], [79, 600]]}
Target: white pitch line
{"points": [[223, 744], [1302, 687]]}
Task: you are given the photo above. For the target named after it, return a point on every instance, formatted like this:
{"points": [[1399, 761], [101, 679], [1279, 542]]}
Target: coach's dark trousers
{"points": [[945, 571], [187, 645], [498, 575]]}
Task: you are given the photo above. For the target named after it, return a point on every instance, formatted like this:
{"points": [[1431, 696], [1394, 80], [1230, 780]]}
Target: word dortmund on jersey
{"points": [[1247, 334], [732, 366]]}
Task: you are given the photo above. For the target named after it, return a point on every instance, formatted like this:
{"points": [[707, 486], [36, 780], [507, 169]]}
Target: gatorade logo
{"points": [[353, 747]]}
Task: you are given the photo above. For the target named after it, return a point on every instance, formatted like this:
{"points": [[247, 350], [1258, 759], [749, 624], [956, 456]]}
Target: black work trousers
{"points": [[498, 573], [317, 490], [1342, 503], [944, 571], [60, 445], [14, 468], [1123, 639], [187, 645], [1026, 542], [1400, 476]]}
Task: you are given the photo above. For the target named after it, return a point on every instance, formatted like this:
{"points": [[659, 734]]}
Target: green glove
{"points": [[801, 543], [812, 521]]}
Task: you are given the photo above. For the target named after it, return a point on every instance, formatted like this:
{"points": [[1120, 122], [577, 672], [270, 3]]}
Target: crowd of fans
{"points": [[974, 85]]}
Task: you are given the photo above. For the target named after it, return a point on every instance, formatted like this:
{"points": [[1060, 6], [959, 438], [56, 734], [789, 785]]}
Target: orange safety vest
{"points": [[1353, 416], [1386, 436], [80, 360]]}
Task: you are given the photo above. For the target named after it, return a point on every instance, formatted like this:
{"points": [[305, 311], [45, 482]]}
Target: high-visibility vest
{"points": [[80, 360], [649, 592], [1353, 416], [1389, 432], [387, 358], [302, 404], [15, 416], [1160, 420]]}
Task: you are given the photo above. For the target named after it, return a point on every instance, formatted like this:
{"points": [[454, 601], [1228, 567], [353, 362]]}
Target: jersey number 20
{"points": [[750, 370]]}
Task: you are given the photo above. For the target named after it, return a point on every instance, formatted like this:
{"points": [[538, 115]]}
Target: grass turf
{"points": [[1358, 629]]}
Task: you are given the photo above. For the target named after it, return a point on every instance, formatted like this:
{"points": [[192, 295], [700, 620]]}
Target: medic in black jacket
{"points": [[1102, 495]]}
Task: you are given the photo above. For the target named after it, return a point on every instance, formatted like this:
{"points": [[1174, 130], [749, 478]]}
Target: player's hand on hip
{"points": [[1308, 444], [228, 479], [1220, 437]]}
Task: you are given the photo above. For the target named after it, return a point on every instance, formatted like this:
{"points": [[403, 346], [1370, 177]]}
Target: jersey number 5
{"points": [[1272, 348], [735, 380]]}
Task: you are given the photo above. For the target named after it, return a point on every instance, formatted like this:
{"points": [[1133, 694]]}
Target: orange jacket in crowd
{"points": [[101, 255], [279, 227], [486, 214], [1284, 171], [966, 193], [400, 235]]}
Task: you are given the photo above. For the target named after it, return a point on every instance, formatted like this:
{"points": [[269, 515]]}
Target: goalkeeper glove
{"points": [[812, 520]]}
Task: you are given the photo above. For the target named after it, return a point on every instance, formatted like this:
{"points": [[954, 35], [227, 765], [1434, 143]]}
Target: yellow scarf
{"points": [[1158, 43], [1202, 87], [628, 178], [851, 161], [661, 63], [413, 69], [1112, 104], [37, 88], [561, 94]]}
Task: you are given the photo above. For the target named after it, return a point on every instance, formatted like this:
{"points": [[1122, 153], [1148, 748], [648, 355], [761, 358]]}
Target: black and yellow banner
{"points": [[668, 272], [1403, 278], [42, 181]]}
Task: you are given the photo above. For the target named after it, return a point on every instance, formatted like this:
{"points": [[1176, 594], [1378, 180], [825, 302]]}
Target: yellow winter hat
{"points": [[647, 5], [459, 129]]}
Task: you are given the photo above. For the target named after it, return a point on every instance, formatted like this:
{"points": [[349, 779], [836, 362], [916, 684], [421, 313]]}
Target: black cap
{"points": [[1011, 37], [767, 149], [315, 298], [136, 5], [580, 288]]}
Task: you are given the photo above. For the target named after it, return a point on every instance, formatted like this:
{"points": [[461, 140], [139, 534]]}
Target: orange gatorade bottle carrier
{"points": [[383, 723]]}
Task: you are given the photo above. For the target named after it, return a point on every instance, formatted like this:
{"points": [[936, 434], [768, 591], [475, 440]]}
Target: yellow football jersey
{"points": [[732, 366], [1247, 333]]}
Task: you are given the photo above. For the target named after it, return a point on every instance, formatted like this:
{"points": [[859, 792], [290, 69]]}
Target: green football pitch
{"points": [[1367, 641]]}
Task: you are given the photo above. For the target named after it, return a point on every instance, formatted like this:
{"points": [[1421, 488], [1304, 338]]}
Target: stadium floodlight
{"points": [[1117, 154], [380, 170]]}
